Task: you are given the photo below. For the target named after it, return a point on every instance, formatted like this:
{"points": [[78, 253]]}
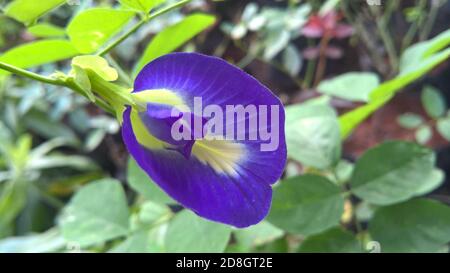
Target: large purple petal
{"points": [[231, 189]]}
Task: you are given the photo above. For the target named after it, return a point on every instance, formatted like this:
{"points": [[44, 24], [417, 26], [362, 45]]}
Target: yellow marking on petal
{"points": [[161, 96], [221, 155], [143, 136]]}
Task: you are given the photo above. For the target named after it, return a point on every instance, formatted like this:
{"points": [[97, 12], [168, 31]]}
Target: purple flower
{"points": [[210, 135]]}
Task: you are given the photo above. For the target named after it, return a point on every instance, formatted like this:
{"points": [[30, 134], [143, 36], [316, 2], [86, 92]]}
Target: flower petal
{"points": [[224, 180]]}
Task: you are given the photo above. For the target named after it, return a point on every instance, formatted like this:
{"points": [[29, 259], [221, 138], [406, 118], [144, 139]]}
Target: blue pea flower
{"points": [[210, 135]]}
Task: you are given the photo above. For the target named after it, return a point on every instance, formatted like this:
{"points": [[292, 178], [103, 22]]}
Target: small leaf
{"points": [[90, 29], [189, 233], [392, 172], [238, 31], [275, 43], [144, 241], [433, 102], [258, 234], [334, 240], [416, 55], [38, 53], [175, 36], [292, 60], [312, 135], [419, 225], [97, 65], [97, 213], [27, 11], [80, 77], [344, 171], [46, 30], [353, 86], [424, 134], [250, 10], [443, 127], [94, 139], [410, 120], [49, 241], [306, 205], [141, 183], [142, 5]]}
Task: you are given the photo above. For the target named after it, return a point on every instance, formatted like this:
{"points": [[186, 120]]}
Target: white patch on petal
{"points": [[221, 155]]}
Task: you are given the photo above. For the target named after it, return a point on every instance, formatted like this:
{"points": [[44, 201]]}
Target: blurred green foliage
{"points": [[57, 193]]}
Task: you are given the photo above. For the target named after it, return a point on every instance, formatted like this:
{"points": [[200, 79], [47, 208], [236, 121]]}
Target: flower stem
{"points": [[144, 20], [31, 75], [53, 81]]}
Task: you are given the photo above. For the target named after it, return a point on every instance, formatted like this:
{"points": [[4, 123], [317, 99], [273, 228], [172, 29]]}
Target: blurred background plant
{"points": [[368, 164]]}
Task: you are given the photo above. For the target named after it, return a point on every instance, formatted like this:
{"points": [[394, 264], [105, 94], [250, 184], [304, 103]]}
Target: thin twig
{"points": [[144, 20]]}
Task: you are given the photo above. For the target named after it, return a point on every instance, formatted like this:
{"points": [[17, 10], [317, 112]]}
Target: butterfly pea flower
{"points": [[186, 134]]}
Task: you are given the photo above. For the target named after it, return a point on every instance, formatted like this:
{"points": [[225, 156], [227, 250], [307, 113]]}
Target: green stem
{"points": [[31, 75], [144, 20]]}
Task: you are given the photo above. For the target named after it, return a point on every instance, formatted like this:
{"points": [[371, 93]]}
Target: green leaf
{"points": [[13, 198], [46, 30], [142, 183], [142, 5], [97, 213], [92, 28], [419, 225], [443, 127], [144, 241], [424, 134], [42, 125], [392, 172], [433, 102], [414, 56], [97, 65], [432, 182], [353, 86], [350, 120], [292, 60], [257, 235], [80, 163], [49, 241], [275, 43], [343, 171], [38, 53], [312, 135], [189, 233], [383, 93], [153, 213], [334, 240], [306, 205], [410, 120], [175, 36], [27, 11], [80, 77]]}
